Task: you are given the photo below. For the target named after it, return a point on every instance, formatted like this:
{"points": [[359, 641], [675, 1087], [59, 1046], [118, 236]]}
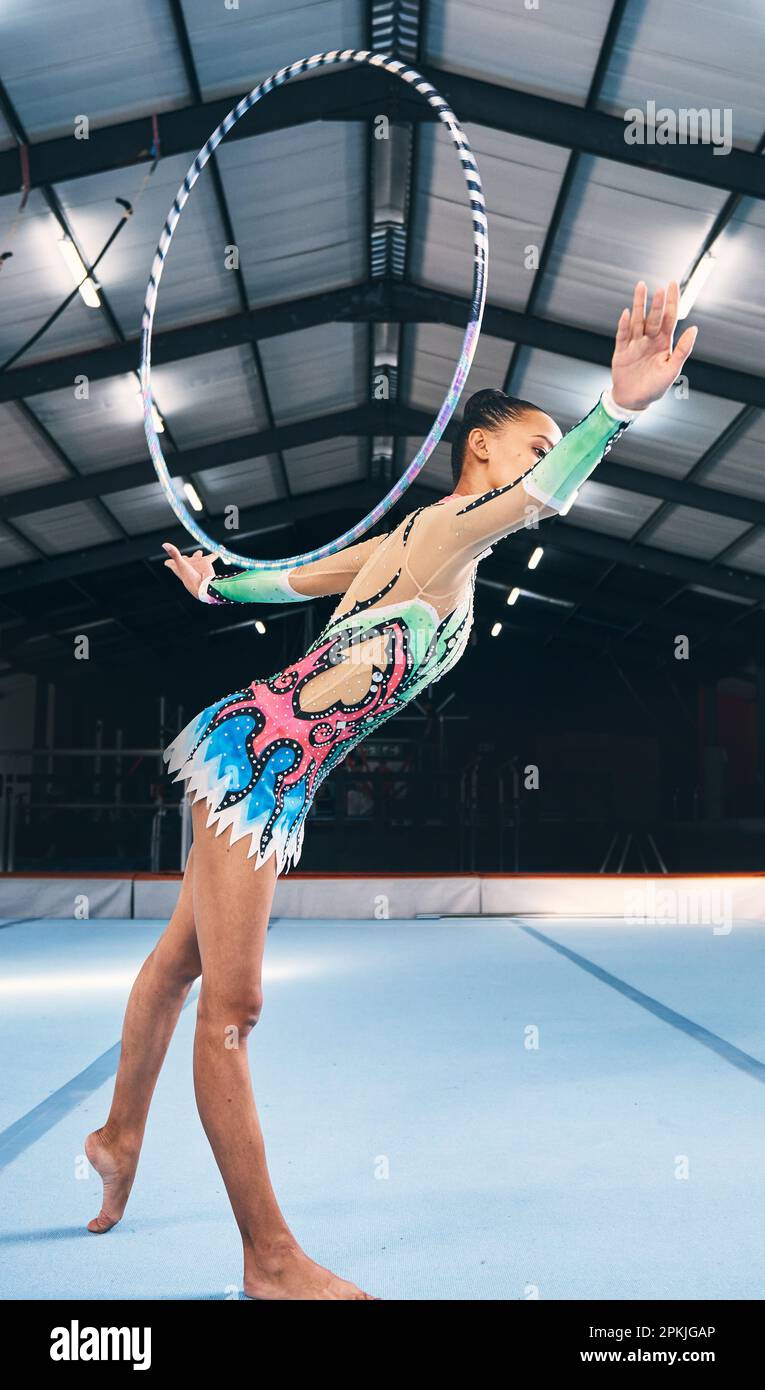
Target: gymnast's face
{"points": [[497, 455]]}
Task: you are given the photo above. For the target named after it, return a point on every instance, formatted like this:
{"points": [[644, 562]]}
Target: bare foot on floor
{"points": [[116, 1168], [293, 1276]]}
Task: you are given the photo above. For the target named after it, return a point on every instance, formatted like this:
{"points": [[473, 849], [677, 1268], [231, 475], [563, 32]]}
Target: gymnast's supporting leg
{"points": [[155, 1003], [232, 903]]}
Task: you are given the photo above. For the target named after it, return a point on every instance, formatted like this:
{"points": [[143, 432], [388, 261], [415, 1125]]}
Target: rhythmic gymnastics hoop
{"points": [[469, 342]]}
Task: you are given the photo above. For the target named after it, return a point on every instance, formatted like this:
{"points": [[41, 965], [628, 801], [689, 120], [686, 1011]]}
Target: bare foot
{"points": [[291, 1275], [115, 1165]]}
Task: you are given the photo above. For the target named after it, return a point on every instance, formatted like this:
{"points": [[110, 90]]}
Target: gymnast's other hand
{"points": [[644, 364], [190, 569]]}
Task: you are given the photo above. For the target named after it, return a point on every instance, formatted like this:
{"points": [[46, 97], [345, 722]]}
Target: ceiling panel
{"points": [[141, 509], [622, 224], [75, 526], [540, 49], [679, 51], [521, 180], [437, 473], [298, 206], [25, 459], [211, 397], [741, 469], [703, 535], [14, 550], [109, 62], [730, 310], [235, 47], [610, 510], [244, 484], [316, 370], [100, 430], [751, 555], [431, 352], [328, 463]]}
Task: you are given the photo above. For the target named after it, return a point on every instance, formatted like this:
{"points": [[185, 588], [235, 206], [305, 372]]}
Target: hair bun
{"points": [[478, 402]]}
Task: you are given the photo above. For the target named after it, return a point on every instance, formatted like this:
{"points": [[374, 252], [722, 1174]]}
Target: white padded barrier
{"points": [[683, 898], [367, 896], [155, 896], [352, 896], [72, 895]]}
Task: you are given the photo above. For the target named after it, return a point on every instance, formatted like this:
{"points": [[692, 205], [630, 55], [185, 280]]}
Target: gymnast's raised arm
{"points": [[332, 575], [643, 367]]}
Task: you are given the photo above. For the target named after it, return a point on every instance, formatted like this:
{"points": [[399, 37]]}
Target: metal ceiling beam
{"points": [[501, 574], [361, 497], [366, 421], [254, 522], [379, 301], [360, 421], [537, 624], [508, 571], [357, 93], [593, 545], [352, 304]]}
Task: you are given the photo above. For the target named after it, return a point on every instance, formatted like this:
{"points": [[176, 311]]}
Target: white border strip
{"points": [[692, 898]]}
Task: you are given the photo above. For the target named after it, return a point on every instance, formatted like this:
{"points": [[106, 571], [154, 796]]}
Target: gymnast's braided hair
{"points": [[488, 408]]}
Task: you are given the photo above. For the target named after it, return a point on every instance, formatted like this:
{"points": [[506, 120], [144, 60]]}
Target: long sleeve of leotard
{"points": [[332, 575], [550, 482]]}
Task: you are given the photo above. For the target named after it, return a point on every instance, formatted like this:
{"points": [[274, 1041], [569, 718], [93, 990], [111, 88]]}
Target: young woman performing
{"points": [[253, 760]]}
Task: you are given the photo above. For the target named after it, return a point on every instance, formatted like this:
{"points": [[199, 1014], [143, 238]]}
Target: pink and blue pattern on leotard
{"points": [[258, 757]]}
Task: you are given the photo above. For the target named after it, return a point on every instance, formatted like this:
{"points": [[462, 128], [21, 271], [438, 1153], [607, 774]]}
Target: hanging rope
{"points": [[128, 211]]}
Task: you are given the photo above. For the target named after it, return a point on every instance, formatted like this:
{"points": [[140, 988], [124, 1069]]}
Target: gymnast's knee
{"points": [[179, 969], [237, 1011]]}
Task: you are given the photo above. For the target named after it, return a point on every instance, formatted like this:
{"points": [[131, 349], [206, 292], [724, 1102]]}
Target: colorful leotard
{"points": [[258, 755]]}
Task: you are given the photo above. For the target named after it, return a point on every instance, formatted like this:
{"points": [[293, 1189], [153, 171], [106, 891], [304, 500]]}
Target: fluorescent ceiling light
{"points": [[695, 284], [497, 628], [87, 286], [193, 497], [513, 596], [157, 420], [568, 505], [535, 557]]}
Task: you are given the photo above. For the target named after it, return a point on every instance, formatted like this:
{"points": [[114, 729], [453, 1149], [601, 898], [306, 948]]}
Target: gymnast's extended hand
{"points": [[644, 364], [190, 569], [643, 367], [332, 575]]}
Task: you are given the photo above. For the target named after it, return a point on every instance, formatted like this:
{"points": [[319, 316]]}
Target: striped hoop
{"points": [[469, 342]]}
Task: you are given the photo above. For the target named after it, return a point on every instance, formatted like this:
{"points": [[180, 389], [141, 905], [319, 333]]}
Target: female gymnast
{"points": [[253, 760]]}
